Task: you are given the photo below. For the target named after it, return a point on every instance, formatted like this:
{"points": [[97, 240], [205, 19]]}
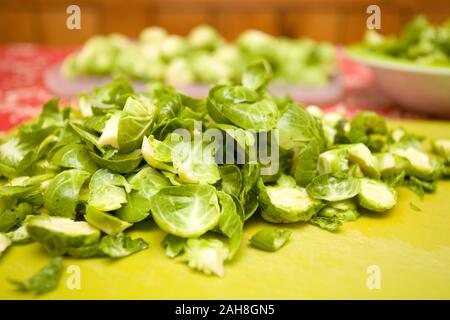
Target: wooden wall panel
{"points": [[180, 22], [339, 21], [53, 30], [127, 20], [319, 24], [16, 25], [231, 24]]}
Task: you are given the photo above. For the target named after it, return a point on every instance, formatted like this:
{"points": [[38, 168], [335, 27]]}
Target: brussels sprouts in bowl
{"points": [[412, 69]]}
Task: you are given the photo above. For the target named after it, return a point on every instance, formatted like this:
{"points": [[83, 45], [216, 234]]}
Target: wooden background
{"points": [[339, 21]]}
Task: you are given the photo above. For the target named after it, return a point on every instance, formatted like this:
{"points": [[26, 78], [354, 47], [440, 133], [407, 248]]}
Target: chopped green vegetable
{"points": [[57, 234], [376, 196], [45, 280], [174, 245], [187, 210], [75, 182], [270, 239], [414, 207], [5, 242], [206, 255], [330, 188], [121, 245], [106, 222]]}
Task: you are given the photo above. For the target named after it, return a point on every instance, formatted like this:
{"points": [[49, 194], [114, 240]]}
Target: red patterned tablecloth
{"points": [[23, 90]]}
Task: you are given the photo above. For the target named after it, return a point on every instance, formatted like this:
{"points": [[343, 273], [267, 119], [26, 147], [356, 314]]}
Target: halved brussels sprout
{"points": [[360, 154], [421, 164], [5, 242], [107, 190], [157, 154], [270, 239], [186, 210], [391, 164], [110, 131], [57, 234], [333, 188], [206, 255], [376, 195], [442, 148], [204, 37], [332, 161], [104, 221], [282, 204], [344, 210]]}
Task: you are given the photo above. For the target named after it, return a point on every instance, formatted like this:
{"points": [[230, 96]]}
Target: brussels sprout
{"points": [[344, 210], [121, 163], [421, 164], [206, 255], [286, 204], [145, 184], [74, 156], [152, 34], [327, 223], [361, 155], [135, 123], [334, 160], [158, 154], [186, 210], [242, 107], [442, 148], [106, 190], [376, 195], [109, 134], [195, 162], [174, 46], [364, 126], [296, 127], [5, 242], [106, 222], [179, 73], [257, 75], [204, 37], [62, 195], [270, 239], [21, 235], [391, 164], [174, 245], [121, 245], [315, 111], [330, 123], [230, 223], [333, 188], [57, 234]]}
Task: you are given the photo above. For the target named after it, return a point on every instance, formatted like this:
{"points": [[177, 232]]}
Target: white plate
{"points": [[63, 87]]}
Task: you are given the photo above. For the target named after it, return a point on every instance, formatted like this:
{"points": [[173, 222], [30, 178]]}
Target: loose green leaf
{"points": [[45, 280], [270, 239], [121, 245]]}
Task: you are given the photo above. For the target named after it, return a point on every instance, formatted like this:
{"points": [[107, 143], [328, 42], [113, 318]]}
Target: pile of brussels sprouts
{"points": [[202, 57], [76, 180], [420, 42]]}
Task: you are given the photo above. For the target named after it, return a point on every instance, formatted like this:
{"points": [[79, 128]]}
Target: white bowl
{"points": [[412, 86]]}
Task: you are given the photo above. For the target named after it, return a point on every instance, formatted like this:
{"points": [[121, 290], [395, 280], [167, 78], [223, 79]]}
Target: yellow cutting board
{"points": [[401, 254]]}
